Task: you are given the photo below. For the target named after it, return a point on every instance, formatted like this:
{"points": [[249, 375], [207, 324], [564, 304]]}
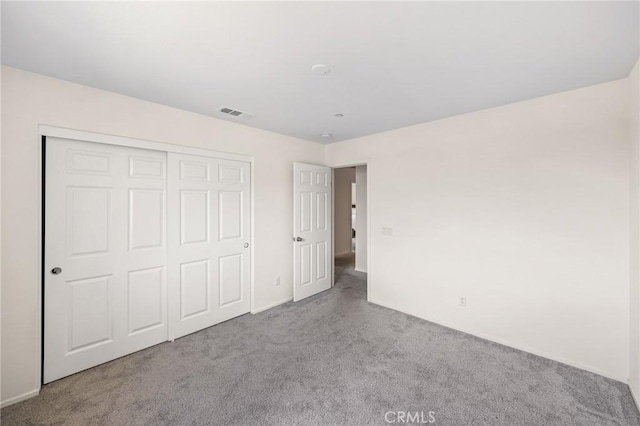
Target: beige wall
{"points": [[29, 100], [634, 361], [361, 219], [522, 209], [342, 180]]}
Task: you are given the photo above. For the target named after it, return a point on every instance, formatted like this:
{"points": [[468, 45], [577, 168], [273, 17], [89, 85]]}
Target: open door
{"points": [[312, 230]]}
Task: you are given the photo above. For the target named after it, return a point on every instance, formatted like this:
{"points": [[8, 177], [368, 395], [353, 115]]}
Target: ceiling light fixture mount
{"points": [[338, 115], [320, 69], [326, 135]]}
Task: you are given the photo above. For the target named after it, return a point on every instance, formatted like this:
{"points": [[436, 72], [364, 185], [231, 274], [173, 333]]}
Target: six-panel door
{"points": [[105, 231], [209, 255], [312, 227], [141, 246]]}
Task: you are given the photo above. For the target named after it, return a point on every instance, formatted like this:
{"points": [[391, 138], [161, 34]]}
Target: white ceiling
{"points": [[393, 64]]}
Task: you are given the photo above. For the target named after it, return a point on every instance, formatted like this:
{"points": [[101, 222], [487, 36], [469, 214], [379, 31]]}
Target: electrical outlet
{"points": [[277, 281], [387, 231], [462, 302]]}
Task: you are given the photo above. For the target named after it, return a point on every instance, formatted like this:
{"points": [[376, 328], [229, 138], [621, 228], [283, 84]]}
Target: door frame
{"points": [[367, 163], [45, 131]]}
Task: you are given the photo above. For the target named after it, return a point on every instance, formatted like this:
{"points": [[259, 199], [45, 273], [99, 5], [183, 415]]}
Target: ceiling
{"points": [[393, 64]]}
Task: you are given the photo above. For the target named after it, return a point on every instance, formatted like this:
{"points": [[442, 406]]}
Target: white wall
{"points": [[361, 219], [634, 329], [29, 100], [523, 209], [342, 178], [353, 193]]}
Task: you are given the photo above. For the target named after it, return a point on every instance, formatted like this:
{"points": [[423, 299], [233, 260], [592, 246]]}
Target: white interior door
{"points": [[312, 230], [105, 254], [209, 235]]}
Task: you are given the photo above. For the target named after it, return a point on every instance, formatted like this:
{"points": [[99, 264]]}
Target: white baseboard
{"points": [[360, 270], [273, 305], [19, 398], [511, 345]]}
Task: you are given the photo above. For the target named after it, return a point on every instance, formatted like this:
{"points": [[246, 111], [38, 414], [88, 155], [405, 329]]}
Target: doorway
{"points": [[350, 219]]}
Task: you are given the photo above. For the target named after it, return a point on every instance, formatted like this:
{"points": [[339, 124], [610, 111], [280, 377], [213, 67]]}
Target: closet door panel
{"points": [[209, 263], [234, 210], [141, 246], [105, 254]]}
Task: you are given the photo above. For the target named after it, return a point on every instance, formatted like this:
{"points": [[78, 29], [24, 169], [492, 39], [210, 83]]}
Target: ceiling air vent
{"points": [[236, 114]]}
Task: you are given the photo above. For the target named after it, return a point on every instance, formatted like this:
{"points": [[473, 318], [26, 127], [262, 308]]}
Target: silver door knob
{"points": [[56, 271], [246, 245], [298, 239]]}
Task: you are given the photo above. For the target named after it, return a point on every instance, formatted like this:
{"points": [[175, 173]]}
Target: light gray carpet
{"points": [[331, 359]]}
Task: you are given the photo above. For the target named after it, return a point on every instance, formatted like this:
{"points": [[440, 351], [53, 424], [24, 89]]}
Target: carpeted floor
{"points": [[331, 359]]}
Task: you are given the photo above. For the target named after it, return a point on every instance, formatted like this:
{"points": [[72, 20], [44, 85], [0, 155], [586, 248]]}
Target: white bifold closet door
{"points": [[141, 247], [105, 254], [209, 255]]}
